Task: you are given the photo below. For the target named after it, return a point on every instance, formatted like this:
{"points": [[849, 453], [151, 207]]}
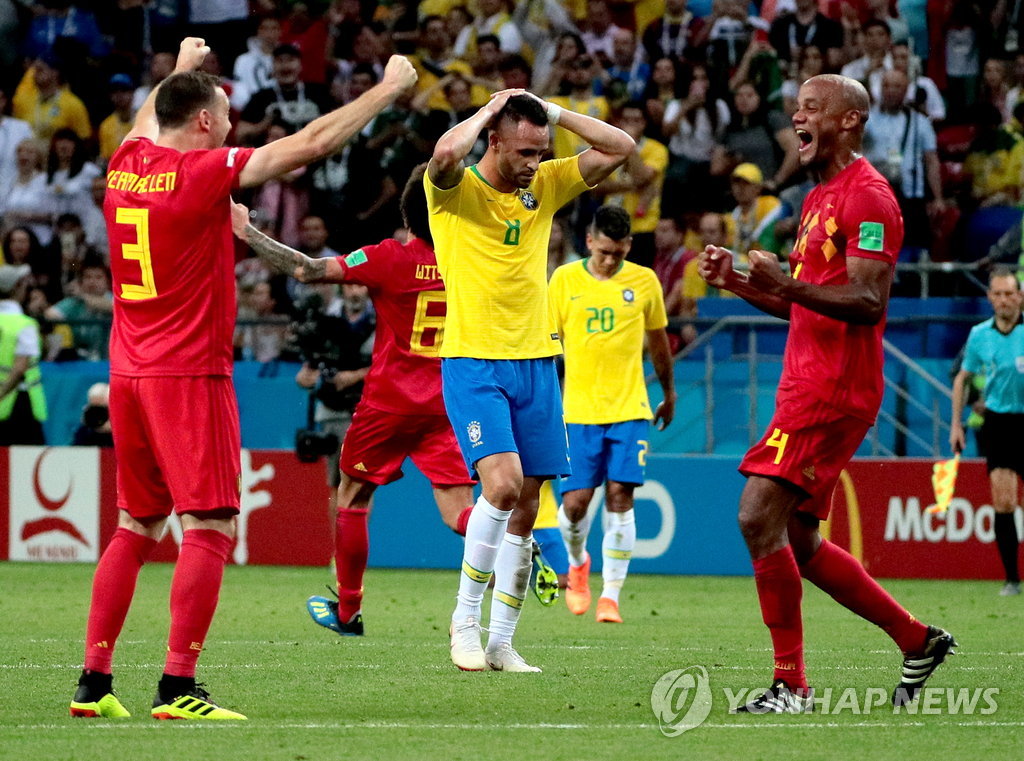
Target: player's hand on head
{"points": [[500, 98], [239, 219], [191, 54], [400, 73]]}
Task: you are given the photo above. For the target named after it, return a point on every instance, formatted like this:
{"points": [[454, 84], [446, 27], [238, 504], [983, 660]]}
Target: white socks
{"points": [[617, 549], [483, 536], [511, 581], [574, 535]]}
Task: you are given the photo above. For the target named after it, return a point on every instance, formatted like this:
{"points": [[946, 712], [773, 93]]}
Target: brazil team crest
{"points": [[529, 200], [628, 296], [473, 430]]}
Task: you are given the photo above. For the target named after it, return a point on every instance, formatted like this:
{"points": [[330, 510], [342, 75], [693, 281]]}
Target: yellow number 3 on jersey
{"points": [[138, 251]]}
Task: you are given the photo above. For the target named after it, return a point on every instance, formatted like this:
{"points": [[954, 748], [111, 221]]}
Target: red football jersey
{"points": [[854, 214], [408, 295], [172, 258]]}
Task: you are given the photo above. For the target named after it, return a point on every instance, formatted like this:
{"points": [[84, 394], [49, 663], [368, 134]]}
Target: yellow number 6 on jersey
{"points": [[138, 251], [425, 322]]}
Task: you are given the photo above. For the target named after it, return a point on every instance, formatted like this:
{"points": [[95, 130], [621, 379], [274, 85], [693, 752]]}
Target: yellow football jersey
{"points": [[654, 155], [492, 253], [566, 143], [602, 324], [427, 78]]}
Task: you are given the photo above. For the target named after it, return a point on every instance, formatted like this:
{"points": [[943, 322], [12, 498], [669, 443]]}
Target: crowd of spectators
{"points": [[707, 88]]}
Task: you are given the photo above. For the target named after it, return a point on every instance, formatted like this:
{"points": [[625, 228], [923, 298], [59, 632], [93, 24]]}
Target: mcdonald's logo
{"points": [[856, 547]]}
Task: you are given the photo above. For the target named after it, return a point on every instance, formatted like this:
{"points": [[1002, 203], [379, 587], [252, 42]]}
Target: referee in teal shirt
{"points": [[995, 349]]}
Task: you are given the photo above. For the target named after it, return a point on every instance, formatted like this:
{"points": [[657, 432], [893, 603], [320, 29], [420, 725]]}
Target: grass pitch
{"points": [[394, 694]]}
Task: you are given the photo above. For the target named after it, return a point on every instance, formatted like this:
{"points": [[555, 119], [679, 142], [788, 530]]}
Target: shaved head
{"points": [[831, 113], [843, 93]]}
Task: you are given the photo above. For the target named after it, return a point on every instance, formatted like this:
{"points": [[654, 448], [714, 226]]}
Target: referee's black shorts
{"points": [[1002, 440]]}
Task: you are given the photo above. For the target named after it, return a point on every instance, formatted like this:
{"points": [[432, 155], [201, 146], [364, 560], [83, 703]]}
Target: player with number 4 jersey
{"points": [[831, 387]]}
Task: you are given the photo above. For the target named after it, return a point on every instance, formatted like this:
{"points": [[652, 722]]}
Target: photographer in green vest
{"points": [[22, 404]]}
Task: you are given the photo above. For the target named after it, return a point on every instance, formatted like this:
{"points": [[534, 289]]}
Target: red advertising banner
{"points": [[880, 512], [59, 504]]}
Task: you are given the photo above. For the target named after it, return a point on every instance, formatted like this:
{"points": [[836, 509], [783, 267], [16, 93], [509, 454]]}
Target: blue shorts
{"points": [[614, 451], [552, 548], [507, 405]]}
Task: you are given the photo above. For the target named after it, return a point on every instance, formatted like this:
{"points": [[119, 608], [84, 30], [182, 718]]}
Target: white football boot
{"points": [[505, 658], [467, 652]]}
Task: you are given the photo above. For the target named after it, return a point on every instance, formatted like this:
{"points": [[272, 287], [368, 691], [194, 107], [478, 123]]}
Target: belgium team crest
{"points": [[529, 200]]}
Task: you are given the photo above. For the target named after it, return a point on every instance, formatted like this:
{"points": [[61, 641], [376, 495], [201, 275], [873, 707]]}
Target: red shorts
{"points": [[378, 442], [808, 443], [177, 444]]}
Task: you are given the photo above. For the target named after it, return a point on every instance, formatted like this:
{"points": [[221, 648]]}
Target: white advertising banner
{"points": [[54, 504]]}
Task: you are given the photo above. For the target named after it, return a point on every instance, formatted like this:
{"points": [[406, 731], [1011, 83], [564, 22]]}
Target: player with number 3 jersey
{"points": [[172, 406]]}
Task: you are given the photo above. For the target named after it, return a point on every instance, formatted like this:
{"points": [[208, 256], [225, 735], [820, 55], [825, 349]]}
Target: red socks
{"points": [[779, 590], [195, 590], [113, 587], [838, 573], [351, 550], [463, 521]]}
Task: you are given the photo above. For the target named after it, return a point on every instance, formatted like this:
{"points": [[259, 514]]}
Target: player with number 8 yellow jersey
{"points": [[492, 253]]}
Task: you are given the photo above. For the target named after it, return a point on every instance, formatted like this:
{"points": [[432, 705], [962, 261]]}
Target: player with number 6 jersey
{"points": [[401, 414], [172, 406]]}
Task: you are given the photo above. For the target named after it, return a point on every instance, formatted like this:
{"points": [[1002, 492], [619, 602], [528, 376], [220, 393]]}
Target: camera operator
{"points": [[335, 338], [94, 430]]}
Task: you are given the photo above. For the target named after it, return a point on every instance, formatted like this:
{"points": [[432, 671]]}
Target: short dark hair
{"points": [[520, 107], [415, 213], [876, 22], [515, 61], [365, 68], [428, 20], [181, 95], [287, 49], [611, 221], [633, 105], [1001, 270], [491, 38], [457, 78], [93, 261]]}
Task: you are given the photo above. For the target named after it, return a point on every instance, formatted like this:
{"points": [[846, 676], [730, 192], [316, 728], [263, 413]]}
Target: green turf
{"points": [[394, 694]]}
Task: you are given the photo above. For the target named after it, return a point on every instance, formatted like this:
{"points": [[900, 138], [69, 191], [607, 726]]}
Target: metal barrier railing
{"points": [[932, 412]]}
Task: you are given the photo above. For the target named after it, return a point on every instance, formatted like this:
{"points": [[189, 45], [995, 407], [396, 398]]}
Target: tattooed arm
{"points": [[281, 258]]}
